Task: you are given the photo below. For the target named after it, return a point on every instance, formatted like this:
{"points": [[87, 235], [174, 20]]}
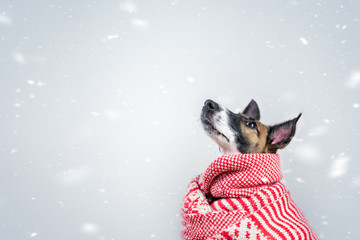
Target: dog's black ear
{"points": [[252, 110], [281, 134]]}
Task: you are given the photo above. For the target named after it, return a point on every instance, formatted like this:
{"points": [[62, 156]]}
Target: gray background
{"points": [[100, 104]]}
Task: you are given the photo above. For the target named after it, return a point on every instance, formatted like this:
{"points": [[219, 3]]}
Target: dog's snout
{"points": [[211, 105]]}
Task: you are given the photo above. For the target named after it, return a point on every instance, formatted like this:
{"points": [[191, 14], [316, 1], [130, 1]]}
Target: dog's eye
{"points": [[250, 124]]}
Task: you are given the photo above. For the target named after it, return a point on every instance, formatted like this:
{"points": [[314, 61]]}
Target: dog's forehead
{"points": [[246, 117]]}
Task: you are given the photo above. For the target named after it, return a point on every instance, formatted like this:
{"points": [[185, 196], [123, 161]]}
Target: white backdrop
{"points": [[100, 104]]}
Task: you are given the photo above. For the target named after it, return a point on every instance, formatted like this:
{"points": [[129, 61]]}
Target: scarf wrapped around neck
{"points": [[241, 197]]}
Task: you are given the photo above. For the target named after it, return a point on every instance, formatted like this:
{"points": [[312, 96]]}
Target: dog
{"points": [[240, 196], [237, 133]]}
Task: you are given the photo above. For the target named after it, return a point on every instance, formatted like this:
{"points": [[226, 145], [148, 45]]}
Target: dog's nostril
{"points": [[211, 105]]}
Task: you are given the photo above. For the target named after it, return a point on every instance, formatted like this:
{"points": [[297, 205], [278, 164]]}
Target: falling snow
{"points": [[300, 180], [4, 19], [354, 80], [128, 7], [100, 109], [95, 114], [33, 235], [141, 23], [14, 150], [304, 41], [19, 58], [74, 176], [31, 82], [190, 79], [113, 114], [89, 228], [339, 166], [112, 36]]}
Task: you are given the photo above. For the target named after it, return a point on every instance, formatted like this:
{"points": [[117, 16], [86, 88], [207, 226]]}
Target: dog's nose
{"points": [[211, 105]]}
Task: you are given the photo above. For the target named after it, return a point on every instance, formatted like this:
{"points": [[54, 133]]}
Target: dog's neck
{"points": [[228, 151]]}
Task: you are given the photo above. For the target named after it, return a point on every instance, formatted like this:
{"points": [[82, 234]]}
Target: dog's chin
{"points": [[212, 131], [221, 139]]}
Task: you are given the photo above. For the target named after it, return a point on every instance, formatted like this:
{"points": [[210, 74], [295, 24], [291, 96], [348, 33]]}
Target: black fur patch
{"points": [[242, 143]]}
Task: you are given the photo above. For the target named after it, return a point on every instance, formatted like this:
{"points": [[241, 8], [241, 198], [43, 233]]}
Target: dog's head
{"points": [[243, 132]]}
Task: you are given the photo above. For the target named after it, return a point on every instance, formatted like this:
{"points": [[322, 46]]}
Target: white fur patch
{"points": [[221, 123]]}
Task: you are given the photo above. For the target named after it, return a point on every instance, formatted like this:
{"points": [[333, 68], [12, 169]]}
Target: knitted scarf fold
{"points": [[241, 197]]}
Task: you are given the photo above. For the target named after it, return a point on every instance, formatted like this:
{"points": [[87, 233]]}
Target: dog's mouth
{"points": [[209, 127]]}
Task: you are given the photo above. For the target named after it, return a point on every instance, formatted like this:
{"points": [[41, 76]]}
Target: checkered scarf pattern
{"points": [[241, 197]]}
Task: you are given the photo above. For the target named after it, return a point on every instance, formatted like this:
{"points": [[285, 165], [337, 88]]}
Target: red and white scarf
{"points": [[241, 197]]}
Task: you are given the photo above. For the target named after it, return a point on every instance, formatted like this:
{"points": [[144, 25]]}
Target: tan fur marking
{"points": [[257, 142], [263, 129]]}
